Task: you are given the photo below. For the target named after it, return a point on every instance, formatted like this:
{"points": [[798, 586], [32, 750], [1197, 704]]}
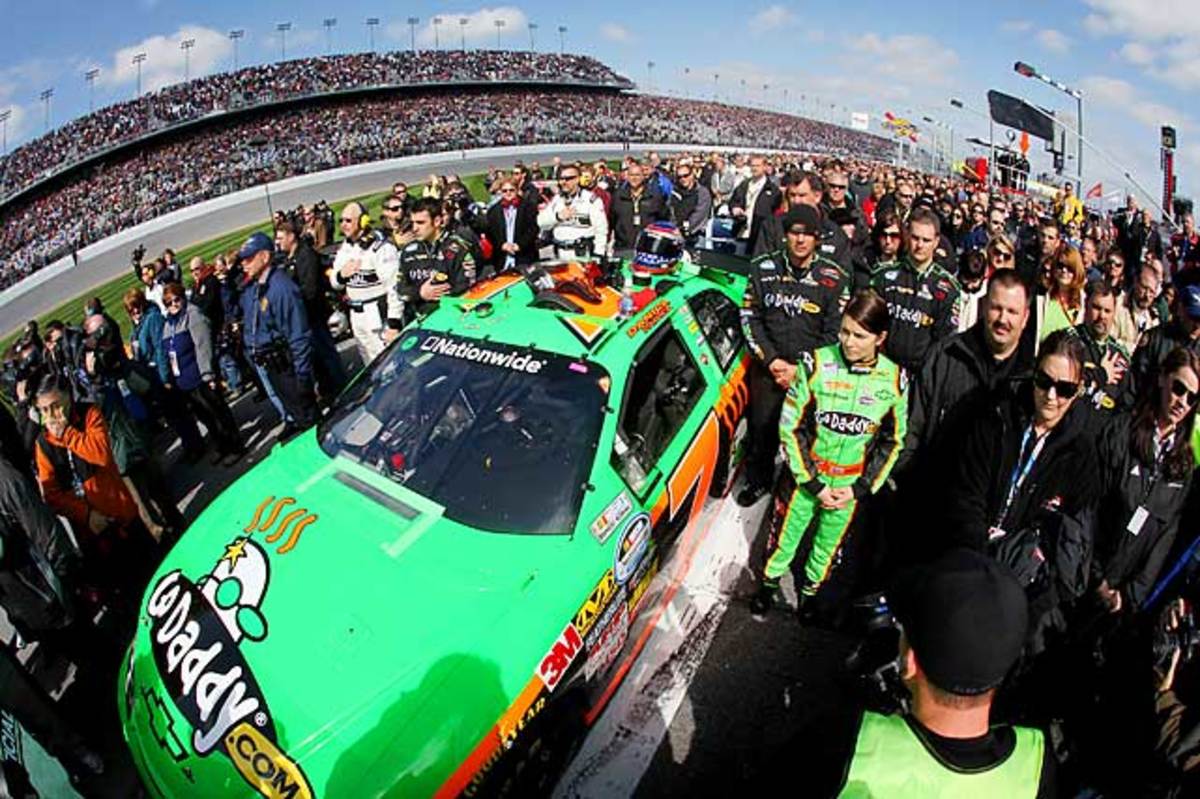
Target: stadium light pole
{"points": [[186, 46], [4, 115], [412, 32], [1029, 71], [649, 74], [137, 62], [562, 39], [372, 24], [46, 95], [533, 26], [437, 38], [330, 23], [499, 23], [947, 127], [463, 22], [716, 78], [235, 36], [283, 28], [90, 77]]}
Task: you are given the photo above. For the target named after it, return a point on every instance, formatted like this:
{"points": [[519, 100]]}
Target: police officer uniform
{"points": [[368, 290], [786, 310]]}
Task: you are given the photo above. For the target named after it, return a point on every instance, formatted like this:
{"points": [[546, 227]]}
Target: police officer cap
{"points": [[803, 217], [1187, 287], [965, 617], [842, 216], [257, 243]]}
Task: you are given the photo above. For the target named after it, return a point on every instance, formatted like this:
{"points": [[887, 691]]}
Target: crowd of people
{"points": [[122, 123], [128, 188], [983, 401]]}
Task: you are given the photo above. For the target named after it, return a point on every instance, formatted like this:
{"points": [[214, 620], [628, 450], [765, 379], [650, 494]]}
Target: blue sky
{"points": [[1137, 61]]}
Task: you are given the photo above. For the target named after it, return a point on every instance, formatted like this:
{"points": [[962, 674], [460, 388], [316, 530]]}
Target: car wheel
{"points": [[550, 744]]}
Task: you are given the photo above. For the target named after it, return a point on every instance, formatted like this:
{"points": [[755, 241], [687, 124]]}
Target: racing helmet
{"points": [[658, 250]]}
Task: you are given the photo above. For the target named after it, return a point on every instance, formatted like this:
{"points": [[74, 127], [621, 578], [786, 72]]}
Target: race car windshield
{"points": [[502, 438]]}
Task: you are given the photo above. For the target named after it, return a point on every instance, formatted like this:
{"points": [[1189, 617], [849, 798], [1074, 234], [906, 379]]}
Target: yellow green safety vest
{"points": [[891, 762]]}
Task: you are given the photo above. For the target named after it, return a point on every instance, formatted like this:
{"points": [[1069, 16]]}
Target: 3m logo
{"points": [[269, 771], [556, 662]]}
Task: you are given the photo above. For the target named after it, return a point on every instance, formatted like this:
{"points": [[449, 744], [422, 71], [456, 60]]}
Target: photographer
{"points": [[276, 333], [963, 623]]}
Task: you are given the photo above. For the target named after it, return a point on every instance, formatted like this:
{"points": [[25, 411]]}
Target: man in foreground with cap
{"points": [[276, 332], [793, 303], [963, 619]]}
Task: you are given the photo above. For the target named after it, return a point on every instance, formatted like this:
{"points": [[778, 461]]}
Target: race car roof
{"points": [[507, 310]]}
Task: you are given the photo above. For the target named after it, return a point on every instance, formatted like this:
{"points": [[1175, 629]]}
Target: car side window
{"points": [[718, 319], [664, 385]]}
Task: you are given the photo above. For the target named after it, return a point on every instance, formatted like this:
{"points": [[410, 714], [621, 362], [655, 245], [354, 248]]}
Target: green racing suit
{"points": [[842, 425]]}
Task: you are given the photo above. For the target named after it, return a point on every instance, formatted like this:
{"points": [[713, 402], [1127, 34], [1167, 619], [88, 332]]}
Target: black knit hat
{"points": [[965, 617]]}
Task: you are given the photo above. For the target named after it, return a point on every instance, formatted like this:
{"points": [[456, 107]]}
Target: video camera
{"points": [[1185, 637], [874, 665], [135, 257]]}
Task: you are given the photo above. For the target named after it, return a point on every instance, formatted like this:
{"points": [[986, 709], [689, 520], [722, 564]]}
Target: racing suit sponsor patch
{"points": [[847, 423]]}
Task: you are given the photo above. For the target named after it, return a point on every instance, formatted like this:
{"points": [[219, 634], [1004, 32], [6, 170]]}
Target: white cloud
{"points": [[1016, 26], [909, 58], [480, 30], [1053, 40], [772, 19], [616, 33], [1138, 54], [1120, 95], [164, 64]]}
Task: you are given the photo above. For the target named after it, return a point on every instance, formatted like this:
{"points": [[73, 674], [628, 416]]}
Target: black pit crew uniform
{"points": [[450, 256], [1105, 399], [786, 310], [923, 306]]}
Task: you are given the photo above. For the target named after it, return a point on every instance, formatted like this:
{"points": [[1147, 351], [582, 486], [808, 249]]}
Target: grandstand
{"points": [[128, 163]]}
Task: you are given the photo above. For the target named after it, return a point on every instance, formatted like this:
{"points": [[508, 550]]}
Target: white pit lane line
{"points": [[619, 748]]}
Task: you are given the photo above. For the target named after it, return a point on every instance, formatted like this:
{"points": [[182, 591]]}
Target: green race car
{"points": [[437, 590]]}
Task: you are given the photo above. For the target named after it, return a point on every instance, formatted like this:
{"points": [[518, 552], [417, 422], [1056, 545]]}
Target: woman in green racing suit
{"points": [[842, 429]]}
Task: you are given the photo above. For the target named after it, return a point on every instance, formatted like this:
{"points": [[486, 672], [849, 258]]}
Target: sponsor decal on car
{"points": [[606, 641], [649, 319], [560, 657], [596, 602], [641, 581], [631, 547], [196, 633], [489, 356], [297, 520], [611, 516]]}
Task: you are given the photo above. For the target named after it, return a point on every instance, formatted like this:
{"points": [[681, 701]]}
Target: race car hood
{"points": [[328, 633]]}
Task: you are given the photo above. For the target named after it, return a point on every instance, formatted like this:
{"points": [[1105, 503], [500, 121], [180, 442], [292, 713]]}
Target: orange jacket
{"points": [[104, 490]]}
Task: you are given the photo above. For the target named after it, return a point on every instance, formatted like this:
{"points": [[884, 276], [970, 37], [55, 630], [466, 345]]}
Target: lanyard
{"points": [[1021, 470]]}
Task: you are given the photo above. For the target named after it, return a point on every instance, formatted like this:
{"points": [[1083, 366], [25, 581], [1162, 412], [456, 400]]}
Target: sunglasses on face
{"points": [[171, 303], [1065, 389], [1002, 256], [1180, 390], [392, 209], [565, 178], [838, 186], [891, 234]]}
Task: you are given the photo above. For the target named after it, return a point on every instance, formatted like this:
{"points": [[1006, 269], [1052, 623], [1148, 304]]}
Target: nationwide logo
{"points": [[470, 351], [196, 631]]}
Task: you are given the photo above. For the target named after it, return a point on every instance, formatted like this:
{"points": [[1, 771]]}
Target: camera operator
{"points": [[276, 332], [575, 218], [304, 266], [64, 355], [365, 267], [26, 370], [963, 621], [121, 393]]}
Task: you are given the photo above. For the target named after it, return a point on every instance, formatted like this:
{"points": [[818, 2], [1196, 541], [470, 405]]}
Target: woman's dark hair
{"points": [[53, 383], [869, 310], [972, 265], [884, 220], [1178, 463], [1066, 343]]}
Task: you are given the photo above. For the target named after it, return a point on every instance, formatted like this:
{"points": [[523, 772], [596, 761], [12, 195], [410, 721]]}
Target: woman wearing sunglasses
{"points": [[883, 251], [1000, 254], [188, 369], [1028, 480], [1147, 459], [1061, 306]]}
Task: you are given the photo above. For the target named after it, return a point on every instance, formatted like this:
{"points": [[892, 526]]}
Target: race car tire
{"points": [[552, 742]]}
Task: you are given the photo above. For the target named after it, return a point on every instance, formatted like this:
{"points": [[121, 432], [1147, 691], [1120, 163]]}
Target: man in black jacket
{"points": [[806, 188], [753, 202], [302, 263], [636, 204], [511, 227], [1182, 331]]}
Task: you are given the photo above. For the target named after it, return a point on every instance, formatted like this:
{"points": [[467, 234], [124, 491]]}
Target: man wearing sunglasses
{"points": [[1182, 331], [575, 218], [690, 203]]}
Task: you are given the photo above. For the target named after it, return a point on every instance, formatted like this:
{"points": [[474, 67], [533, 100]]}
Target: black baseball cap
{"points": [[965, 617], [804, 217]]}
